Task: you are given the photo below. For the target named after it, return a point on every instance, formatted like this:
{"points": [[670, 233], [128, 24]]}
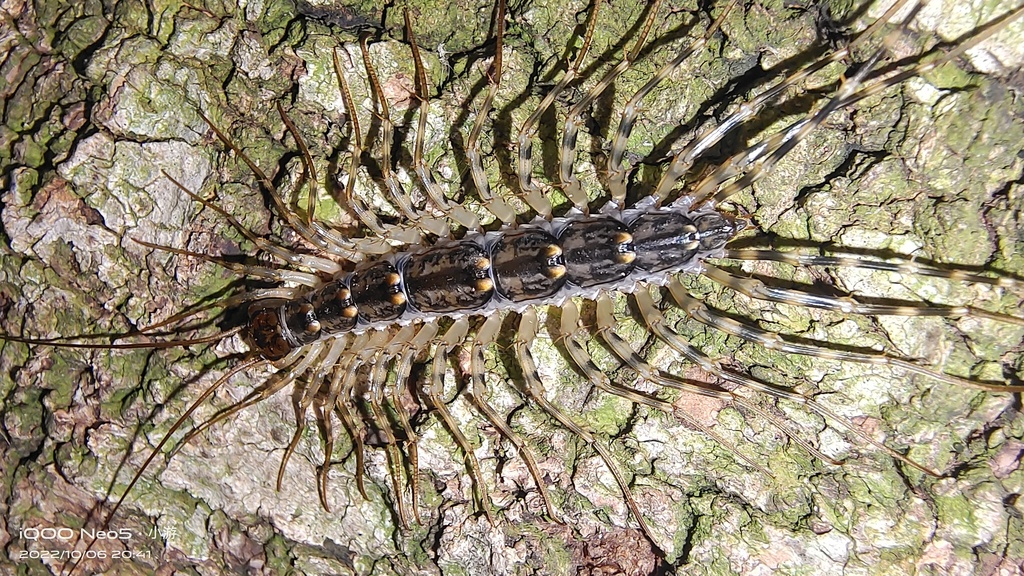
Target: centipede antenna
{"points": [[909, 268], [754, 288], [253, 362], [56, 342], [263, 272]]}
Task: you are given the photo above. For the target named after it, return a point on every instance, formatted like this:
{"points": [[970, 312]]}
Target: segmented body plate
{"points": [[65, 404]]}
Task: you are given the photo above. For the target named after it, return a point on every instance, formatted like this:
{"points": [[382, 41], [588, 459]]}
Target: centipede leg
{"points": [[495, 205], [570, 328], [605, 330], [574, 120], [534, 194], [454, 211], [534, 388], [315, 233], [656, 322], [398, 195], [308, 394], [403, 367], [616, 172], [356, 148], [277, 383], [455, 335], [702, 313], [685, 158], [285, 255], [337, 401], [478, 397]]}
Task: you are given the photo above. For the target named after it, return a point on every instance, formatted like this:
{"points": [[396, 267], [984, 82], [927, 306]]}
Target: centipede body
{"points": [[831, 515]]}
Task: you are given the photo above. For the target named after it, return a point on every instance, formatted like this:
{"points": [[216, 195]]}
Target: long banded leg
{"points": [[534, 388], [574, 120], [570, 330], [605, 330], [337, 401], [403, 366], [753, 164], [349, 393], [485, 336], [656, 322], [456, 212], [361, 210], [455, 335], [309, 392], [616, 172], [285, 255], [700, 312], [685, 158], [373, 398], [908, 268], [754, 288], [501, 210], [533, 194], [398, 195], [315, 234], [413, 341]]}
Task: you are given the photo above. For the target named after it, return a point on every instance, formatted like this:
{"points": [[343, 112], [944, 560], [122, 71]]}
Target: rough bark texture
{"points": [[99, 98]]}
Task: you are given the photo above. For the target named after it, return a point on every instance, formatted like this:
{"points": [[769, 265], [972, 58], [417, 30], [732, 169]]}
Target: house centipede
{"points": [[586, 495]]}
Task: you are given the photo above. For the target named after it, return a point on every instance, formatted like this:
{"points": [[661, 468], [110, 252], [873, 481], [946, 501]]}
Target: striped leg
{"points": [[656, 322], [685, 158], [533, 193], [456, 212], [478, 396], [616, 172], [753, 164], [419, 342], [402, 234], [455, 335], [398, 195], [570, 184], [316, 234], [533, 387], [571, 330], [501, 210]]}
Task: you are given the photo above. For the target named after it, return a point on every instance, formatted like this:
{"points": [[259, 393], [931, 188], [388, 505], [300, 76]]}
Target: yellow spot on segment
{"points": [[397, 299], [313, 327], [552, 251], [349, 312], [484, 285], [623, 238], [625, 257], [483, 263], [556, 272], [394, 279]]}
